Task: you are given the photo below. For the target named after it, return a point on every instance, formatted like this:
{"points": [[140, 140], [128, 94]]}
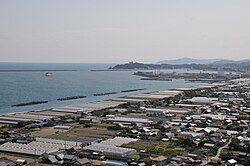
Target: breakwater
{"points": [[29, 103]]}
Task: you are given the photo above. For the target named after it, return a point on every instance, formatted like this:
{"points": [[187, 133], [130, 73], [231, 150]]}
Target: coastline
{"points": [[110, 98], [91, 98]]}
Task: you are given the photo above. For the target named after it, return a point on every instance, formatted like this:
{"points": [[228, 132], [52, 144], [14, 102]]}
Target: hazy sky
{"points": [[123, 30]]}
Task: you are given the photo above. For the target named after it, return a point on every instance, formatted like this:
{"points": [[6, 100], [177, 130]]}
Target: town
{"points": [[124, 83], [204, 125]]}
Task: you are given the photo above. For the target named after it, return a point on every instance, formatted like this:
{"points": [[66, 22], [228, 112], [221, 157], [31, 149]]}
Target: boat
{"points": [[48, 74]]}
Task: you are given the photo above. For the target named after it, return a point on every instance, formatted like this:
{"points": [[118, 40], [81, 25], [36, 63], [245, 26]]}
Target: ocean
{"points": [[19, 86]]}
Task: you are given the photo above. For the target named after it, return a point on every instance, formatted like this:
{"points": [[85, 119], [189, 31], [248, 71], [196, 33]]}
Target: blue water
{"points": [[19, 87]]}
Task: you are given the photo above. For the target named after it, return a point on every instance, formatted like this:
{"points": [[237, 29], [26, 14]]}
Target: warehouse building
{"points": [[129, 120], [110, 150], [118, 141], [170, 111], [38, 147]]}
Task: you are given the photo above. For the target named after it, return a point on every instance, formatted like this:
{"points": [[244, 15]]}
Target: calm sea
{"points": [[22, 86]]}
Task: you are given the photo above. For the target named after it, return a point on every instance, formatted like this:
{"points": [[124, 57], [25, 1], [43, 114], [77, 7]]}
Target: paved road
{"points": [[218, 153], [220, 149]]}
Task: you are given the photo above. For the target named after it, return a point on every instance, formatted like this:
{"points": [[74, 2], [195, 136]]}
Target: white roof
{"points": [[62, 127], [203, 99], [118, 141], [173, 111], [193, 134], [38, 147], [232, 161], [109, 149], [127, 119]]}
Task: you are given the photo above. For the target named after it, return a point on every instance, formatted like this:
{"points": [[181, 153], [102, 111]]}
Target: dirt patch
{"points": [[45, 132], [14, 157], [76, 133], [95, 132]]}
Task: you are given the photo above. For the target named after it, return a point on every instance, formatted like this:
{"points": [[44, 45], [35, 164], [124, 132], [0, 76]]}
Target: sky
{"points": [[102, 31]]}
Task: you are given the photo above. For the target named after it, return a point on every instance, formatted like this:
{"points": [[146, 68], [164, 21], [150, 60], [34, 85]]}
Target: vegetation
{"points": [[234, 145], [244, 66], [167, 152], [244, 116], [213, 151], [157, 147], [23, 123], [235, 126], [199, 93], [67, 117], [104, 112], [135, 156], [186, 143]]}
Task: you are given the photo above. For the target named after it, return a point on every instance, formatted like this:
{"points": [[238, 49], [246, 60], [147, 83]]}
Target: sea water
{"points": [[19, 86]]}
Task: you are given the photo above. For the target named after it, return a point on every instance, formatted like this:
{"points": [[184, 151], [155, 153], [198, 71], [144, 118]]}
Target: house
{"points": [[7, 162], [203, 100], [69, 157], [49, 159], [61, 127], [84, 120], [81, 162], [215, 160], [21, 161], [208, 145], [114, 163], [158, 160], [177, 160], [188, 134], [232, 162], [52, 159], [193, 156]]}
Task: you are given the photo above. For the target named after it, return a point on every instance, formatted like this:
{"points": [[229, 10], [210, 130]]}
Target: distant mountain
{"points": [[224, 61], [231, 62], [182, 61], [189, 61], [243, 65]]}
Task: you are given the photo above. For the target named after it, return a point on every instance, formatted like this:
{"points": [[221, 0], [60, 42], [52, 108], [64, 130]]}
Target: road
{"points": [[220, 149], [218, 153]]}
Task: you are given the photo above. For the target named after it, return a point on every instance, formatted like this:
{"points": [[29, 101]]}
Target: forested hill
{"points": [[242, 66]]}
